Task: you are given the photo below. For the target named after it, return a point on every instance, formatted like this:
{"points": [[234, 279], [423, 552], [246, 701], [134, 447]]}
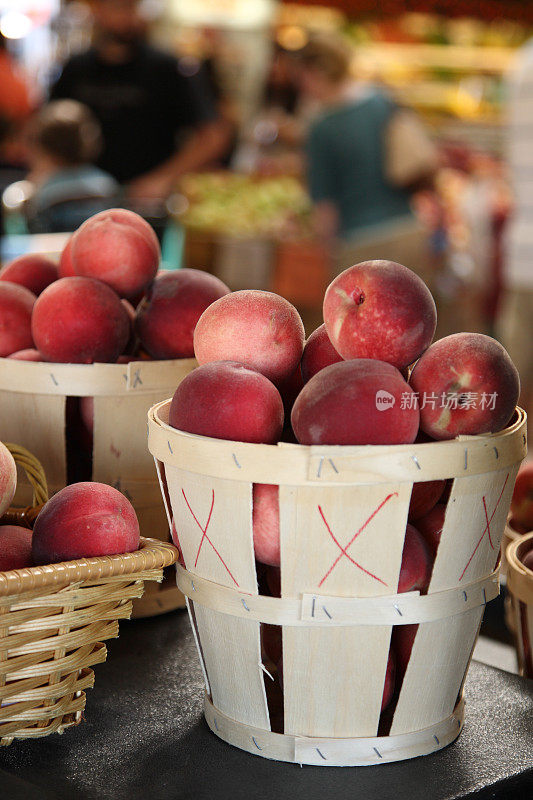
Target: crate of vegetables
{"points": [[106, 337], [339, 514], [63, 587]]}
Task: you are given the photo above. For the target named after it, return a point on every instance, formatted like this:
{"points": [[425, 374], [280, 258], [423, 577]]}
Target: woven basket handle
{"points": [[35, 474]]}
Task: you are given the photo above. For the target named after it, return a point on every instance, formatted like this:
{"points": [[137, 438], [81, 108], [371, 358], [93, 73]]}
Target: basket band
{"points": [[327, 611], [519, 578], [324, 752]]}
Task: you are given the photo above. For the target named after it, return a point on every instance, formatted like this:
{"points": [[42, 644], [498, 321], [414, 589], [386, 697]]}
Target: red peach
{"points": [[226, 400], [15, 547], [33, 271], [119, 248], [318, 353], [30, 354], [8, 478], [403, 637], [388, 688], [355, 402], [266, 524], [83, 520], [87, 421], [522, 500], [166, 318], [431, 525], [66, 267], [259, 329], [16, 305], [80, 321], [289, 390], [415, 572], [382, 310], [471, 383], [424, 496]]}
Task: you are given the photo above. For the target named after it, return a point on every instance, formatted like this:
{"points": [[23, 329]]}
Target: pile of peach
{"points": [[81, 521], [369, 375]]}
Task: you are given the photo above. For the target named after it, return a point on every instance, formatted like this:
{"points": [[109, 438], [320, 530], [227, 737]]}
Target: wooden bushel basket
{"points": [[520, 587], [33, 399], [343, 514]]}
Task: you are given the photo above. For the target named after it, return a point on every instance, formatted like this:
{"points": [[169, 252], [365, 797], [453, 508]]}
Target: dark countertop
{"points": [[144, 737]]}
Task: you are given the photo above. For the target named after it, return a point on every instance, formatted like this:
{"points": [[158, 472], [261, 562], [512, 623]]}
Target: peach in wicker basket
{"points": [[54, 619]]}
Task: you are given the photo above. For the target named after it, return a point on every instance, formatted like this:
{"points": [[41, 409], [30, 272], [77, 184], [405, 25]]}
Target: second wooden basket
{"points": [[343, 514], [520, 588]]}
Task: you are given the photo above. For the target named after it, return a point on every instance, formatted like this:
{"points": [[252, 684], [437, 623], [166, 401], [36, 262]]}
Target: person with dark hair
{"points": [[63, 140], [158, 119]]}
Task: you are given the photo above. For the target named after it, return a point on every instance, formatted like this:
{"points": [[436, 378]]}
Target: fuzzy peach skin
{"points": [[339, 405], [415, 572], [15, 547], [424, 496], [266, 524], [380, 309], [65, 267], [259, 329], [8, 478], [16, 306], [522, 500], [119, 248], [226, 400], [80, 321], [33, 271], [30, 354], [318, 353], [431, 525], [465, 370], [165, 320], [83, 520]]}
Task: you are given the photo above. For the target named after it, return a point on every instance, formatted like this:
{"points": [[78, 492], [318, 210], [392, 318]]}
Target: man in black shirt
{"points": [[146, 101]]}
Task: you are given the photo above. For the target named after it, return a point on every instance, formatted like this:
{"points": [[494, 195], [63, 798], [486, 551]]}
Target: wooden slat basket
{"points": [[520, 588], [343, 514], [33, 412], [53, 620]]}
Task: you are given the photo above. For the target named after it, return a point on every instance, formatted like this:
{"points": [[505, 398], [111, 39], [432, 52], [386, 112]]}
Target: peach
{"points": [[166, 318], [431, 525], [271, 639], [522, 500], [83, 520], [466, 384], [8, 478], [65, 267], [289, 390], [273, 579], [266, 524], [16, 305], [30, 354], [355, 402], [380, 309], [415, 572], [80, 321], [388, 688], [87, 421], [117, 247], [33, 271], [318, 353], [424, 496], [226, 400], [259, 329], [403, 637], [15, 547]]}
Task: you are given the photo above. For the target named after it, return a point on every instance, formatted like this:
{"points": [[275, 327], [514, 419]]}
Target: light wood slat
{"points": [[345, 700], [224, 511]]}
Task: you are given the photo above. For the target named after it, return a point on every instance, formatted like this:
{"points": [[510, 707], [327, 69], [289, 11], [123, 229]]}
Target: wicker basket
{"points": [[343, 514], [520, 588], [33, 411], [53, 620]]}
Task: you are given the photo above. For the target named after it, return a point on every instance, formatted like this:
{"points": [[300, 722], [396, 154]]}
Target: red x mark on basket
{"points": [[486, 529], [205, 536], [344, 550]]}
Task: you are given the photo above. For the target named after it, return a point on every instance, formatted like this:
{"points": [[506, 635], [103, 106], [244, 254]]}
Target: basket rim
{"points": [[151, 555], [519, 577]]}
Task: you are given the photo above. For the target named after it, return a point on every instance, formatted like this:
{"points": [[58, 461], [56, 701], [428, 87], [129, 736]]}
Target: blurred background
{"points": [[275, 143]]}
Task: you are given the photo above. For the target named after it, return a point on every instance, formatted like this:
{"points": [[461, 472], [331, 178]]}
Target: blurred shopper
{"points": [[515, 324], [358, 210], [64, 140], [145, 102]]}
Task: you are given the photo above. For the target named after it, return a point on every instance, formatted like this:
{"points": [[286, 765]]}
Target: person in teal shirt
{"points": [[357, 211]]}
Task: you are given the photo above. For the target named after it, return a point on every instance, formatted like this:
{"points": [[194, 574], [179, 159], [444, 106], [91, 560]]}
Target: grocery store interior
{"points": [[274, 144]]}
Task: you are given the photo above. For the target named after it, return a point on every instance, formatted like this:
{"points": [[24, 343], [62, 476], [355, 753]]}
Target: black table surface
{"points": [[144, 737]]}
